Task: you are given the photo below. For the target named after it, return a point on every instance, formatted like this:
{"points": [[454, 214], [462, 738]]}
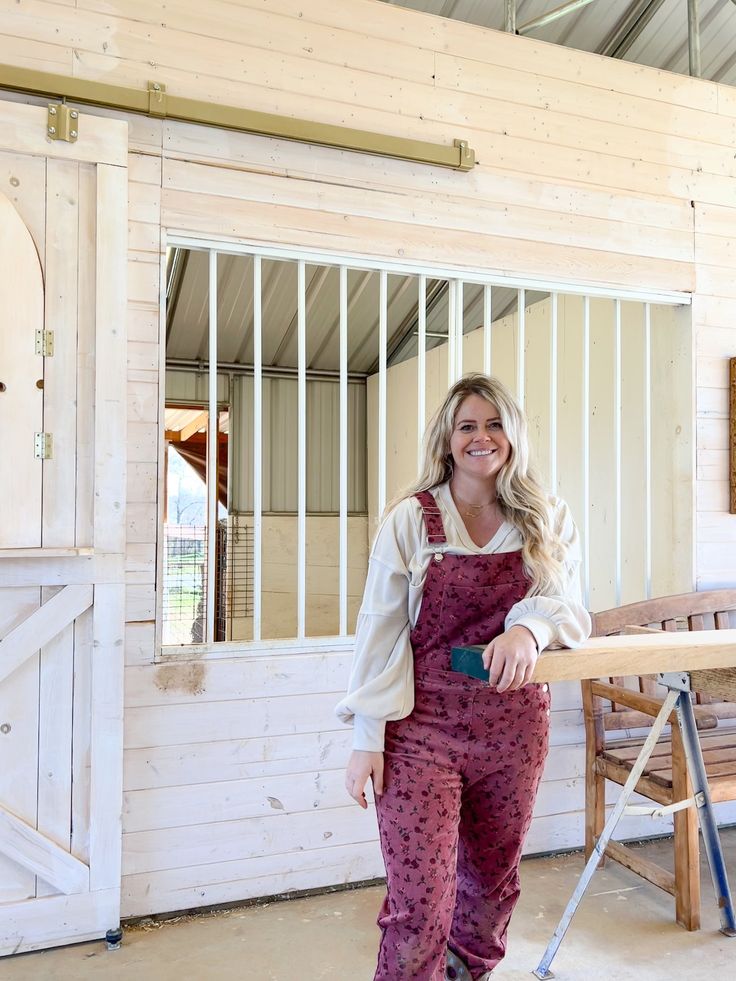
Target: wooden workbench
{"points": [[692, 650]]}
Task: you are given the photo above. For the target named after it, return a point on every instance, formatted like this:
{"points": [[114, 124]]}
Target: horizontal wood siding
{"points": [[590, 169]]}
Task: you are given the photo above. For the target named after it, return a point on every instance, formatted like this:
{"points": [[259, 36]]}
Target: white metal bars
{"points": [[343, 456], [617, 414], [648, 450], [521, 346], [382, 345], [484, 349], [257, 449], [487, 322], [421, 365], [586, 449], [213, 457], [554, 312], [301, 561]]}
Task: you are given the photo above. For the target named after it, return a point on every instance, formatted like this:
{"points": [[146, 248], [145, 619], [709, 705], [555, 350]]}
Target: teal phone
{"points": [[469, 660]]}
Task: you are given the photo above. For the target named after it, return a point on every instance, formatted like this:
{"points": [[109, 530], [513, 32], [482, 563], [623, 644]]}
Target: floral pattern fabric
{"points": [[460, 777]]}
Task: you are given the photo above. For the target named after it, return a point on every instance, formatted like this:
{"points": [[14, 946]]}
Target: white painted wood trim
{"points": [[111, 294], [42, 626], [106, 736], [45, 553], [40, 855], [102, 140], [265, 648], [469, 274], [58, 920]]}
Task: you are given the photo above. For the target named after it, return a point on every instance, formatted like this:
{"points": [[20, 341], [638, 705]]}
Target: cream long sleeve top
{"points": [[381, 685]]}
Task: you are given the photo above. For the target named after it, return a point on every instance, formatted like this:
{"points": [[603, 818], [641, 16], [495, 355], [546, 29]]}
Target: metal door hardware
{"points": [[43, 446], [45, 343], [62, 122]]}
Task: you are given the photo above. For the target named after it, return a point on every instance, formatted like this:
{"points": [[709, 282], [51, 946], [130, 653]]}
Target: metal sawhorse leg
{"points": [[678, 697]]}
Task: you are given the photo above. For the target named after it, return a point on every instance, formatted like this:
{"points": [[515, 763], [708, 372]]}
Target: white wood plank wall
{"points": [[611, 172]]}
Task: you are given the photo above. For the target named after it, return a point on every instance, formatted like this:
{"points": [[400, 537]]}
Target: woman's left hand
{"points": [[511, 657]]}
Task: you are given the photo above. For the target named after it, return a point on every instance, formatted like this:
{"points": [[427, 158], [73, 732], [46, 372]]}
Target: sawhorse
{"points": [[678, 698]]}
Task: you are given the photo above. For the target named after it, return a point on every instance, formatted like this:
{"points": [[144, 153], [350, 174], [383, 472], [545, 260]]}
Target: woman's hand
{"points": [[511, 657], [362, 765]]}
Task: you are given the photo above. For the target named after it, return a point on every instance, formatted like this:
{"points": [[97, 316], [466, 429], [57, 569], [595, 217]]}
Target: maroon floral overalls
{"points": [[461, 775]]}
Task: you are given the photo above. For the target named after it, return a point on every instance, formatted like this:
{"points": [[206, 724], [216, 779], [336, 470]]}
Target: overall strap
{"points": [[432, 519]]}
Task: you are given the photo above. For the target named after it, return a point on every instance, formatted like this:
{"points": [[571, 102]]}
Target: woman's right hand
{"points": [[362, 765]]}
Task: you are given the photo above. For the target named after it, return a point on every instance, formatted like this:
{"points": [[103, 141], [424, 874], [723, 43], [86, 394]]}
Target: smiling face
{"points": [[478, 444]]}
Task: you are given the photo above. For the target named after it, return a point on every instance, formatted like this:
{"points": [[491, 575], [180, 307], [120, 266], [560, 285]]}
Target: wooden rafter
{"points": [[182, 435]]}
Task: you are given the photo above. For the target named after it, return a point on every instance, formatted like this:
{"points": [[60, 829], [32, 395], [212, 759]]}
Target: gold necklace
{"points": [[474, 510]]}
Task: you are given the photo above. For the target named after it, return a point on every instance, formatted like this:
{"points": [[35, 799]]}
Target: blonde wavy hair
{"points": [[520, 495]]}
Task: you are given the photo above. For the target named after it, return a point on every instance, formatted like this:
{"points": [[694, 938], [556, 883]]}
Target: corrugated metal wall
{"points": [[279, 464]]}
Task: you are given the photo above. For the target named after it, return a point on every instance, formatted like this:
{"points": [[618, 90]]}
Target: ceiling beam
{"points": [[567, 8], [693, 38], [629, 28], [705, 21]]}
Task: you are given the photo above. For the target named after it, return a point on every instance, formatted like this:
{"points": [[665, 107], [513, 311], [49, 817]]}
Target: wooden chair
{"points": [[613, 706]]}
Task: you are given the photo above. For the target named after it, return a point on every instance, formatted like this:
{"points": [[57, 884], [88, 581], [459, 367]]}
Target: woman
{"points": [[473, 553]]}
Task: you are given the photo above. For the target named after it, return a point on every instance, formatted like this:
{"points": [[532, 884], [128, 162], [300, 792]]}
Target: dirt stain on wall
{"points": [[186, 678]]}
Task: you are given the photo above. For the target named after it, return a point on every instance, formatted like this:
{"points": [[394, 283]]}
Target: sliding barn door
{"points": [[63, 229]]}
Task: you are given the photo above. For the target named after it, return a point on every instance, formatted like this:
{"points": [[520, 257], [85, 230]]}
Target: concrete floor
{"points": [[624, 930]]}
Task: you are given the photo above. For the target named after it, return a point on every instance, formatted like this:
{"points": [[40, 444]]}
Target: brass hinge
{"points": [[43, 446], [45, 343], [62, 122]]}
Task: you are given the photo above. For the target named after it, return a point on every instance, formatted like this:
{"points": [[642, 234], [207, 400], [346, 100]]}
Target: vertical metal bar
{"points": [[382, 345], [509, 20], [543, 969], [459, 324], [704, 806], [213, 462], [421, 366], [451, 331], [257, 446], [301, 603], [343, 572], [554, 310], [521, 341], [693, 37], [487, 327], [586, 447], [648, 449], [617, 443]]}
